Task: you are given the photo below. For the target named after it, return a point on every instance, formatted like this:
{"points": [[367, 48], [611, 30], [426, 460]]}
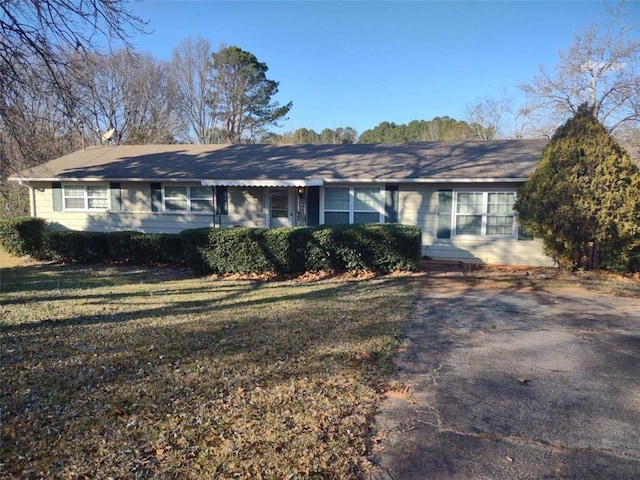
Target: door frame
{"points": [[290, 206]]}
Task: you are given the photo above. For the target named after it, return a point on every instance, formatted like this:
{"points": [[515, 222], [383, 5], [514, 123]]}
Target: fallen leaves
{"points": [[194, 378]]}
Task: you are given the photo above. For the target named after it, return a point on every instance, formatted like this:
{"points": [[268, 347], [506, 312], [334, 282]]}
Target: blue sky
{"points": [[348, 63]]}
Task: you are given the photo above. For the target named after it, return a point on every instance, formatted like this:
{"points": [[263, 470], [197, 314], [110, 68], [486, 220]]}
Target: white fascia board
{"points": [[308, 182], [424, 180], [104, 179]]}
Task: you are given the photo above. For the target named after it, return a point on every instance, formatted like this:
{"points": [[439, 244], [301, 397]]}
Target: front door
{"points": [[280, 208]]}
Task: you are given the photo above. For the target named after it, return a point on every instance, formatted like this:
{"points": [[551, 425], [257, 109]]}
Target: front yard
{"points": [[124, 373]]}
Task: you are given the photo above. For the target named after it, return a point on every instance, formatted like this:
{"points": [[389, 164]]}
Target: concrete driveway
{"points": [[525, 380]]}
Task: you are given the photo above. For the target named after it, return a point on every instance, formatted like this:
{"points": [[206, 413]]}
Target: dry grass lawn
{"points": [[149, 373], [124, 373]]}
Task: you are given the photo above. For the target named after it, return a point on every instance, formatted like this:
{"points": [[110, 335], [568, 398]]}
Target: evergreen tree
{"points": [[241, 96], [584, 193]]}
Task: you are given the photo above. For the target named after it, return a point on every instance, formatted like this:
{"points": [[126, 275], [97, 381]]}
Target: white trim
{"points": [[85, 197], [425, 180], [309, 182], [189, 200], [32, 200], [107, 179], [351, 211], [484, 215], [290, 200]]}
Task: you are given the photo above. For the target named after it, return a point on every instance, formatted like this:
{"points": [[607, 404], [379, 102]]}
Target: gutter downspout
{"points": [[32, 198], [32, 201]]}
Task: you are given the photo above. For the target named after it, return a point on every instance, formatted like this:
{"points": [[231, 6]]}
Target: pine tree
{"points": [[584, 196]]}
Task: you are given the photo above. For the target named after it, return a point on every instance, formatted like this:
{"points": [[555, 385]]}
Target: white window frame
{"points": [[189, 200], [85, 197], [379, 207], [484, 215]]}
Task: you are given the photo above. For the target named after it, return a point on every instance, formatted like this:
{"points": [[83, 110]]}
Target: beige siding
{"points": [[489, 251], [136, 197], [43, 199], [418, 205], [245, 209]]}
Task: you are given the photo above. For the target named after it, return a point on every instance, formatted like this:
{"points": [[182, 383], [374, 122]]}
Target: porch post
{"points": [[215, 204]]}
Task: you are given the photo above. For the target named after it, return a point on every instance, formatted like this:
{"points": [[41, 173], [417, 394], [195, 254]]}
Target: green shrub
{"points": [[135, 248], [22, 236], [583, 195], [139, 248], [73, 246], [193, 244], [237, 250], [285, 249], [322, 253], [378, 247]]}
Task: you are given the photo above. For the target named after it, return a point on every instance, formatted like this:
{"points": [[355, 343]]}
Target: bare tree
{"points": [[40, 41], [485, 117], [599, 69], [33, 130], [490, 118], [35, 34], [129, 95], [629, 139], [189, 74]]}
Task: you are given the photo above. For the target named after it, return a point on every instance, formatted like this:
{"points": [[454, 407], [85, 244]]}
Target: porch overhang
{"points": [[304, 182]]}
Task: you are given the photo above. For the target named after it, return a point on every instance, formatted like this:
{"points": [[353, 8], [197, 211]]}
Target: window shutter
{"points": [[222, 202], [156, 197], [445, 207], [313, 205], [116, 197], [391, 203], [56, 192]]}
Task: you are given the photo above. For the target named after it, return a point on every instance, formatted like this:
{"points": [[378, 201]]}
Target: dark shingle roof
{"points": [[502, 159]]}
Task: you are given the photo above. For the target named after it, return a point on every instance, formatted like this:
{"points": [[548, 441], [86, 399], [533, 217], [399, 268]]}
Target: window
{"points": [[352, 205], [366, 203], [500, 219], [484, 213], [182, 198], [337, 203], [201, 199], [85, 197]]}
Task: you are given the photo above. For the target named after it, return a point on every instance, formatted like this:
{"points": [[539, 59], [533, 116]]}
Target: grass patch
{"points": [[143, 374]]}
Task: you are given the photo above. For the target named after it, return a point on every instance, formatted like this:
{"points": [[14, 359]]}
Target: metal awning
{"points": [[305, 182]]}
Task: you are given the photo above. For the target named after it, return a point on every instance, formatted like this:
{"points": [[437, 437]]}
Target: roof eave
{"points": [[102, 179], [274, 182], [427, 180], [308, 182]]}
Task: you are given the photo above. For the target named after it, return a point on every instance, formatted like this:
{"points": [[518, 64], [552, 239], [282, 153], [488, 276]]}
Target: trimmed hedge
{"points": [[72, 246], [134, 248], [378, 247], [144, 248], [193, 243], [21, 236]]}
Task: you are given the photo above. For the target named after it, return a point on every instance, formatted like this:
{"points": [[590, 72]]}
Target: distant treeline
{"points": [[437, 129]]}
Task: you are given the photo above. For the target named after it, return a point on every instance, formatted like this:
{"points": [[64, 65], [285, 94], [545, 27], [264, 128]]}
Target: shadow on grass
{"points": [[263, 322], [205, 351], [54, 276]]}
